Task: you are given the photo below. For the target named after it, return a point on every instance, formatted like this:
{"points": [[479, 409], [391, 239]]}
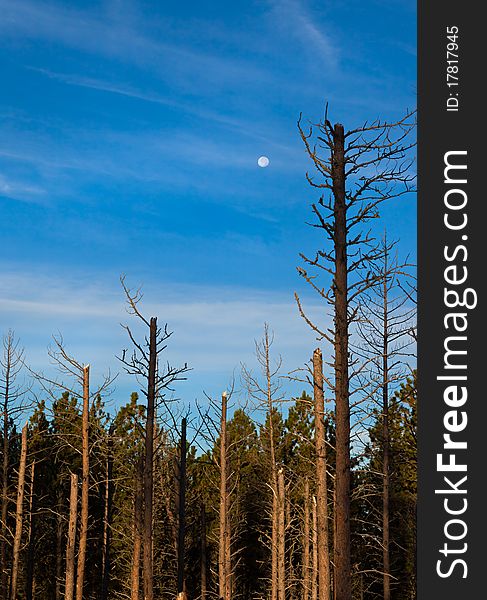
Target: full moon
{"points": [[263, 161]]}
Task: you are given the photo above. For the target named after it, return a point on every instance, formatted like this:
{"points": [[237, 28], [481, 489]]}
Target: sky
{"points": [[129, 137]]}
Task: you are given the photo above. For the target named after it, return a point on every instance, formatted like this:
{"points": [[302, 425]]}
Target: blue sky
{"points": [[130, 133]]}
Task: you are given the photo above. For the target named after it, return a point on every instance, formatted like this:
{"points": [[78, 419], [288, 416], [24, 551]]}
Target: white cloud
{"points": [[214, 328], [19, 190], [296, 19]]}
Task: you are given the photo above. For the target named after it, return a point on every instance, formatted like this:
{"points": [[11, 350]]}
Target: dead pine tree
{"points": [[143, 363], [85, 482], [214, 426], [11, 403], [203, 555], [71, 541], [281, 536], [19, 515], [360, 169], [224, 546], [314, 568], [387, 319], [31, 530], [321, 479], [266, 395], [306, 565], [182, 510], [107, 518], [137, 529], [79, 375]]}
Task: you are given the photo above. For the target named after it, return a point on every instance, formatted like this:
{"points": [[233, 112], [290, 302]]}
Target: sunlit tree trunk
{"points": [[224, 555], [321, 479], [137, 530], [85, 484], [19, 516], [71, 542], [306, 565]]}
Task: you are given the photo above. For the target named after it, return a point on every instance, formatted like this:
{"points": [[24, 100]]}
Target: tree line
{"points": [[252, 495]]}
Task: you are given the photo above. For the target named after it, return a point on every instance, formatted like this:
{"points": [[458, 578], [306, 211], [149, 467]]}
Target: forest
{"points": [[252, 495]]}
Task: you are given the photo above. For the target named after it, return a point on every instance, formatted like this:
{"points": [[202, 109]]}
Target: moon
{"points": [[263, 161]]}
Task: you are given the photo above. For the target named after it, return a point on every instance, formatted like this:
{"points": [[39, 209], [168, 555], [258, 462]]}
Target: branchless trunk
{"points": [[137, 530], [274, 475], [321, 479], [107, 517], [281, 537], [85, 484], [385, 440], [306, 566], [204, 555], [149, 463], [19, 516], [71, 542], [59, 543], [5, 464], [182, 507], [224, 554], [314, 571], [29, 577], [342, 560]]}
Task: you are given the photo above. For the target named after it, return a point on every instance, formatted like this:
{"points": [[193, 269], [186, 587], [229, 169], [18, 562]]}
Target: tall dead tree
{"points": [[361, 169], [182, 508], [137, 530], [387, 319], [107, 518], [314, 569], [224, 546], [19, 513], [71, 541], [29, 575], [59, 543], [306, 565], [143, 363], [321, 479], [266, 395], [85, 482], [11, 361], [203, 555], [281, 536], [79, 374]]}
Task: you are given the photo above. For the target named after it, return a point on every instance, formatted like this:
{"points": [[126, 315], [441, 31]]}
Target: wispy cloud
{"points": [[214, 327], [297, 20], [92, 32], [19, 190]]}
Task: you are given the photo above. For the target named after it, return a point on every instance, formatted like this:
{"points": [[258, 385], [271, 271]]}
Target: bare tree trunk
{"points": [[385, 438], [5, 465], [224, 555], [321, 479], [182, 507], [71, 543], [314, 571], [19, 516], [107, 517], [3, 528], [85, 484], [59, 543], [343, 590], [137, 530], [149, 463], [274, 475], [204, 555], [306, 566], [281, 548], [29, 578]]}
